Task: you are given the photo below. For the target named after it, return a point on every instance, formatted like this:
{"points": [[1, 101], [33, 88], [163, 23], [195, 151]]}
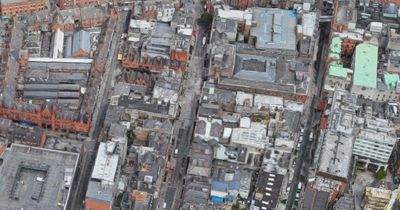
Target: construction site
{"points": [[51, 70]]}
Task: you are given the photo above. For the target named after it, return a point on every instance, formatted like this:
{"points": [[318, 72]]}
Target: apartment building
{"points": [[14, 7]]}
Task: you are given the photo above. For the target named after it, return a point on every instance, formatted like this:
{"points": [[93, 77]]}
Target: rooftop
{"points": [[35, 178], [391, 81], [254, 67], [268, 187], [255, 136], [336, 155], [337, 70], [105, 167], [366, 63], [276, 29]]}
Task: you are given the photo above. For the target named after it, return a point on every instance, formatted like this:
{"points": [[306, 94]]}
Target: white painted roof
{"points": [[61, 60], [105, 167]]}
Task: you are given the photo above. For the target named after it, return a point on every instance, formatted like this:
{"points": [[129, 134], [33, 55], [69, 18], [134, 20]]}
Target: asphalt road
{"points": [[87, 161], [306, 148]]}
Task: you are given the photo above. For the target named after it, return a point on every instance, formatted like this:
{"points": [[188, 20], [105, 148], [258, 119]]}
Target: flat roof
{"points": [[61, 60], [337, 70], [391, 81], [336, 155], [276, 28], [105, 167], [366, 63], [36, 178], [336, 45]]}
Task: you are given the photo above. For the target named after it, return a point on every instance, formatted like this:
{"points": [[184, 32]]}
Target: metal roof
{"points": [[336, 45], [276, 28], [337, 70], [366, 63], [81, 41], [105, 167], [391, 81]]}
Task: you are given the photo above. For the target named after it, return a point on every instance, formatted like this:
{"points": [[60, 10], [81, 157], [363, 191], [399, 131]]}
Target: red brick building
{"points": [[14, 7], [68, 4]]}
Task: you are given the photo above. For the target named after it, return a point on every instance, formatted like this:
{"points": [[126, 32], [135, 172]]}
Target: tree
{"points": [[381, 174], [206, 18], [131, 137]]}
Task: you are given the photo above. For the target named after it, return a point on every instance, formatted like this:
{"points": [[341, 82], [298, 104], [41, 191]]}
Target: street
{"points": [[306, 148], [87, 161]]}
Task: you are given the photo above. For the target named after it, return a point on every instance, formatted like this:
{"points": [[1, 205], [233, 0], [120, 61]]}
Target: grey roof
{"points": [[50, 86], [20, 171], [275, 28], [254, 67], [270, 193], [315, 199], [81, 41], [344, 203], [98, 192]]}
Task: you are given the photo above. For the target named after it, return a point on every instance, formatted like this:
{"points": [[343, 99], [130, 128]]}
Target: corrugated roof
{"points": [[366, 62], [391, 81], [337, 70]]}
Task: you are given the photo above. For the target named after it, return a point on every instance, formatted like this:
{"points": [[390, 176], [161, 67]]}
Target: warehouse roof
{"points": [[366, 62], [275, 29]]}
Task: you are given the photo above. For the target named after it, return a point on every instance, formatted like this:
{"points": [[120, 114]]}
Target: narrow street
{"points": [[305, 153], [87, 161]]}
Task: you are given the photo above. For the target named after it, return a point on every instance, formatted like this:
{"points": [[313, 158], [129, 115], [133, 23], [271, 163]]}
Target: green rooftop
{"points": [[365, 68], [391, 80], [337, 70], [334, 55], [336, 45]]}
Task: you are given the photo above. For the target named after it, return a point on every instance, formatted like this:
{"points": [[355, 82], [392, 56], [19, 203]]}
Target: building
{"points": [[15, 7], [336, 156], [275, 29], [344, 203], [68, 4], [103, 181], [36, 178], [267, 190], [376, 198], [365, 70], [208, 129], [315, 199], [81, 44], [374, 147]]}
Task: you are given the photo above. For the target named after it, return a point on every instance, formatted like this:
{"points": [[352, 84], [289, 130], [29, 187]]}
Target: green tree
{"points": [[206, 18], [381, 174], [131, 137]]}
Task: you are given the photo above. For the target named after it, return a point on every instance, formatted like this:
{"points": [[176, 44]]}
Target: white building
{"points": [[376, 147]]}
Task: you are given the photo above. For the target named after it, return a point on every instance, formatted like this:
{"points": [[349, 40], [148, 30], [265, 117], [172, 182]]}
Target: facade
{"points": [[67, 4], [376, 198], [14, 7], [374, 146]]}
